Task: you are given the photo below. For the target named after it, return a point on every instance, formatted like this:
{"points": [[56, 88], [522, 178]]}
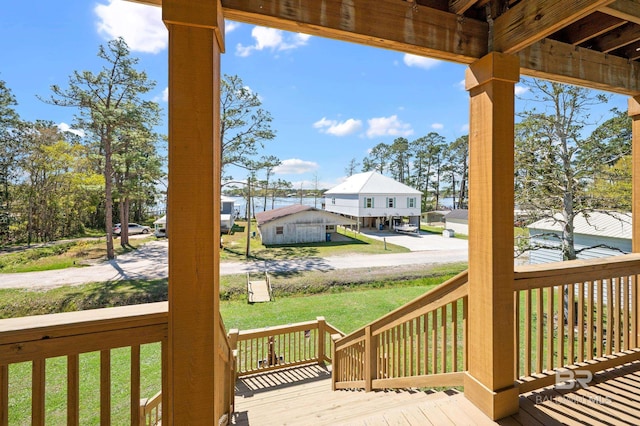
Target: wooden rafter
{"points": [[629, 10], [616, 39], [531, 21], [592, 26]]}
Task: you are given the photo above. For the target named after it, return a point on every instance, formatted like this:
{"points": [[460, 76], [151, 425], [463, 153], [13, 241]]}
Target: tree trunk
{"points": [[108, 197]]}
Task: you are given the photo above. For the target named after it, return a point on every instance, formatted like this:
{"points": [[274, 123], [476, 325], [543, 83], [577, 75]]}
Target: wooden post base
{"points": [[495, 404]]}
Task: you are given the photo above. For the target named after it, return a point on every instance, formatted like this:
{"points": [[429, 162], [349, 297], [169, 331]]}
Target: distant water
{"points": [[258, 203]]}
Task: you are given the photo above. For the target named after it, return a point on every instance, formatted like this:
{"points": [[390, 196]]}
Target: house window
{"points": [[368, 202], [411, 202], [279, 230], [333, 200], [391, 202]]}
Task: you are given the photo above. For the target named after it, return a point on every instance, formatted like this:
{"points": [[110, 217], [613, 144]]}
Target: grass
{"points": [[235, 246], [347, 307], [61, 255]]}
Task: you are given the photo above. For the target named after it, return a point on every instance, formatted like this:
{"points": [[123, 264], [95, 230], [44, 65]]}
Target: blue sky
{"points": [[330, 101]]}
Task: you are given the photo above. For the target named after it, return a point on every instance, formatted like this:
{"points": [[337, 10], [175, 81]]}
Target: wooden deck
{"points": [[303, 396]]}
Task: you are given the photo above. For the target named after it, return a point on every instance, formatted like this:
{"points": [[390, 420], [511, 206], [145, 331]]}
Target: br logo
{"points": [[571, 379]]}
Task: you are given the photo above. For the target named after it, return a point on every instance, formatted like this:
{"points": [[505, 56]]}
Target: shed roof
{"points": [[372, 183], [271, 215], [601, 224], [457, 214]]}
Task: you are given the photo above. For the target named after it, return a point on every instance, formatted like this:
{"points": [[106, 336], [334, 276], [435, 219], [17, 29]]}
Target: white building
{"points": [[596, 234], [297, 224], [375, 201]]}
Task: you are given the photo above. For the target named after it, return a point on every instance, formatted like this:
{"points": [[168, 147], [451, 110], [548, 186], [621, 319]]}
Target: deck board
{"points": [[303, 396]]}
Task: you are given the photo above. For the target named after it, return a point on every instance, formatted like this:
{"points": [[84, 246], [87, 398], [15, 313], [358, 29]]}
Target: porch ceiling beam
{"points": [[388, 24], [531, 21], [553, 60], [623, 9]]}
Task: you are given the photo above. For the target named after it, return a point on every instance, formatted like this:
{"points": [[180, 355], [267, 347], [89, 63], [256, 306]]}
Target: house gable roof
{"points": [[279, 213], [457, 214], [600, 224], [372, 183]]}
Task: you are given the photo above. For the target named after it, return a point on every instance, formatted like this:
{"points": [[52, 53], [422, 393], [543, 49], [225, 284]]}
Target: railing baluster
{"points": [[4, 395], [549, 345], [73, 390], [434, 343], [539, 330], [443, 336], [527, 328], [516, 333], [571, 323], [560, 325], [626, 288], [616, 313], [105, 387], [600, 319], [454, 335], [580, 321], [413, 349], [634, 311], [465, 331], [590, 345], [135, 385], [610, 316], [37, 392], [425, 350]]}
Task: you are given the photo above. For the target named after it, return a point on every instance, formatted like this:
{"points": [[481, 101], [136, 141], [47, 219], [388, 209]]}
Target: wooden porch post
{"points": [[489, 382], [195, 43], [634, 113]]}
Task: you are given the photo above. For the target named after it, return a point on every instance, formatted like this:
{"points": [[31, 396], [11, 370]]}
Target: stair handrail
{"points": [[362, 358]]}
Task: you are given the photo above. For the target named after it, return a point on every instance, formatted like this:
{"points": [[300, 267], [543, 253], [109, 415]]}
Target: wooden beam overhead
{"points": [[629, 10], [556, 61], [148, 2], [592, 26], [632, 51], [531, 21], [390, 24], [460, 6], [616, 39]]}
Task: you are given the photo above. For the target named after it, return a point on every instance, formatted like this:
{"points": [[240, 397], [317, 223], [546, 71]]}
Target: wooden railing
{"points": [[419, 344], [580, 315], [132, 339], [285, 346]]}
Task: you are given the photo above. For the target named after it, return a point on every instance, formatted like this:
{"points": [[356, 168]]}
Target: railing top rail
{"points": [[257, 332], [429, 297], [40, 327], [580, 270]]}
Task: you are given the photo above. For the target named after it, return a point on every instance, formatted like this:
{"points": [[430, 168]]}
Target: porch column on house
{"points": [[634, 113], [489, 382], [195, 43]]}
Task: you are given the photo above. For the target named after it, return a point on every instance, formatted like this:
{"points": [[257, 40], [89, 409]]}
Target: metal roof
{"points": [[372, 183], [601, 224]]}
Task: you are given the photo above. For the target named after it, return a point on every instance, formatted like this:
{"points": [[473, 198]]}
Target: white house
{"points": [[298, 224], [596, 234], [375, 201]]}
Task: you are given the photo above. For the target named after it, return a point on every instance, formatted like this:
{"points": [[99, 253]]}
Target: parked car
{"points": [[160, 232], [134, 228]]}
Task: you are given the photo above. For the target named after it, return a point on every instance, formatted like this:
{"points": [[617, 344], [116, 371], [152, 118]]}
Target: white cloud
{"points": [[419, 61], [163, 97], [64, 127], [230, 26], [437, 126], [462, 84], [336, 128], [295, 166], [464, 128], [520, 89], [141, 26], [272, 39], [388, 126]]}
